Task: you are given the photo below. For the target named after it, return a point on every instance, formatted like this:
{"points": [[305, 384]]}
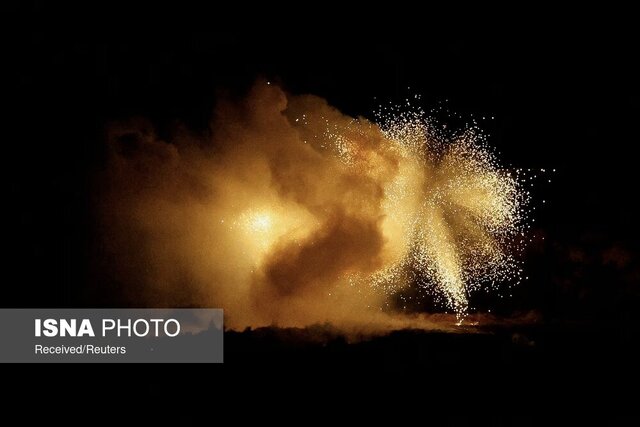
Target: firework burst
{"points": [[453, 213]]}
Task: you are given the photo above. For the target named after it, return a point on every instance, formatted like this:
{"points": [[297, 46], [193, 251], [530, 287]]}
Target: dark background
{"points": [[564, 93]]}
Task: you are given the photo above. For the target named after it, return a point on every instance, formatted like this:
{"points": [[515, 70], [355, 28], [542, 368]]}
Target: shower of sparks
{"points": [[457, 219]]}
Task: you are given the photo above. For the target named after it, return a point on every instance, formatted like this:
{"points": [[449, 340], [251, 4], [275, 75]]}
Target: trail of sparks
{"points": [[460, 215]]}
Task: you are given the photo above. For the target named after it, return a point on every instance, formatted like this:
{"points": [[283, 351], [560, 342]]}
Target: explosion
{"points": [[291, 213]]}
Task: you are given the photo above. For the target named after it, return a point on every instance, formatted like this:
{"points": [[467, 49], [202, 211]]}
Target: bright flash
{"points": [[263, 227], [261, 222]]}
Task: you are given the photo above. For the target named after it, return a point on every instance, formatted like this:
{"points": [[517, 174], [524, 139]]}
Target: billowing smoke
{"points": [[292, 213]]}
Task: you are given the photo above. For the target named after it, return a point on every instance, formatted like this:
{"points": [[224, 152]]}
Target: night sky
{"points": [[563, 98]]}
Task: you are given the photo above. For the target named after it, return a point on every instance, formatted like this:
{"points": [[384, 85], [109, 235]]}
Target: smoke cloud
{"points": [[286, 213]]}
